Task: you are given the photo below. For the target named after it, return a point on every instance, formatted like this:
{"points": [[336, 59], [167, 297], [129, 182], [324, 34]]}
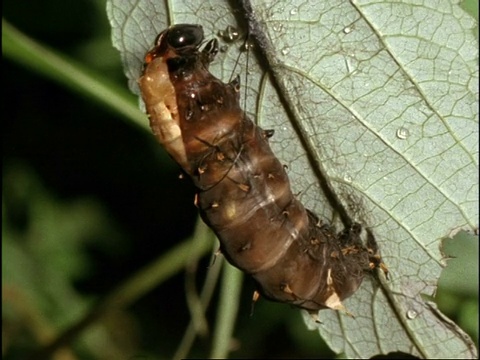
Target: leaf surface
{"points": [[378, 100]]}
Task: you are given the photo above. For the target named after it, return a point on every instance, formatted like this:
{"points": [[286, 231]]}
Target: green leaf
{"points": [[377, 100], [48, 254], [461, 275]]}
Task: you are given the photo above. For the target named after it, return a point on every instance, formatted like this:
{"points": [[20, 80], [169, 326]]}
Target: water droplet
{"points": [[403, 133], [285, 51], [347, 178], [350, 67], [294, 11], [278, 27], [230, 34], [347, 30], [248, 45], [412, 314]]}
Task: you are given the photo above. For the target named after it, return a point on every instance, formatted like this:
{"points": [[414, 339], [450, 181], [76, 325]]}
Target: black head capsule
{"points": [[184, 36], [182, 39]]}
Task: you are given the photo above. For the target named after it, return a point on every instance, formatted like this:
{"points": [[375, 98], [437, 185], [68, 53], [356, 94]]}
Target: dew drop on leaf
{"points": [[411, 314], [403, 133], [230, 34], [278, 27]]}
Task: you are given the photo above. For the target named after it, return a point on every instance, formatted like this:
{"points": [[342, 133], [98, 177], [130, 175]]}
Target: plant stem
{"points": [[227, 311], [22, 49]]}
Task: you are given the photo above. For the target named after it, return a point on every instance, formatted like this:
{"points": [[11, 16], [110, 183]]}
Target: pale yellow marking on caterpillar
{"points": [[160, 100], [333, 301]]}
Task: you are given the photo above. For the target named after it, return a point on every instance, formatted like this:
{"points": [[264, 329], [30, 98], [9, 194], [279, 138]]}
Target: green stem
{"points": [[227, 311], [209, 286], [22, 49], [135, 287]]}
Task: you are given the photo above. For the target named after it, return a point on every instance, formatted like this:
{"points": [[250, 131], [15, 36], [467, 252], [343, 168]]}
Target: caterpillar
{"points": [[243, 191]]}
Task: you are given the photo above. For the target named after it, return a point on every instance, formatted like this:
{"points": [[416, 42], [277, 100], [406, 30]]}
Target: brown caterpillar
{"points": [[244, 193]]}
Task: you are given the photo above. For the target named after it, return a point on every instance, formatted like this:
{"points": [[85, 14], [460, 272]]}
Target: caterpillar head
{"points": [[177, 40]]}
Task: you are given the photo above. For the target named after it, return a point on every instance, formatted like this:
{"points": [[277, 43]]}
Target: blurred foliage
{"points": [[89, 200], [44, 253], [457, 294]]}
